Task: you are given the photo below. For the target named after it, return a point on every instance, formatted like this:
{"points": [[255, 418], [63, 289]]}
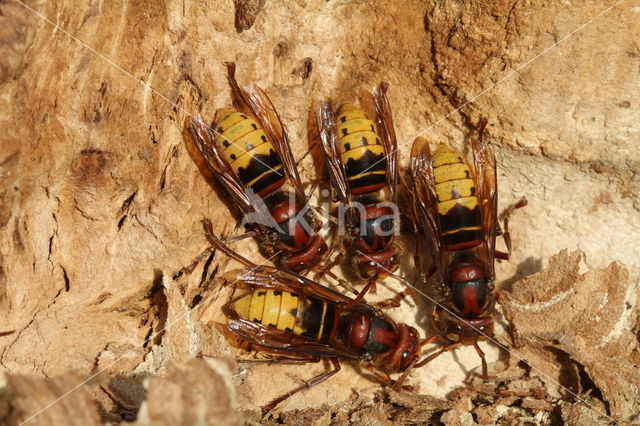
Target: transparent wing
{"points": [[286, 342], [206, 142], [425, 201], [484, 164], [329, 141], [387, 132], [260, 105]]}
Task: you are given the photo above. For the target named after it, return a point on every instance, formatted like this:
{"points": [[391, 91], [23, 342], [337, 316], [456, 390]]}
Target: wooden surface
{"points": [[101, 198]]}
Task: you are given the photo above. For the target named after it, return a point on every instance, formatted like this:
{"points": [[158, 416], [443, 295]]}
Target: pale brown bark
{"points": [[101, 198]]}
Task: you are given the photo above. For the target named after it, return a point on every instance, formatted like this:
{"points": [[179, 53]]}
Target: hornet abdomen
{"points": [[362, 151], [303, 315], [249, 152], [458, 207]]}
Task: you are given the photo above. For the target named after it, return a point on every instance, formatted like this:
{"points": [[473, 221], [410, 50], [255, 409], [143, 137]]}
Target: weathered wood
{"points": [[102, 193]]}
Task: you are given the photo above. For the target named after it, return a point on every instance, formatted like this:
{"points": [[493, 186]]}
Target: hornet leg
{"points": [[310, 383]]}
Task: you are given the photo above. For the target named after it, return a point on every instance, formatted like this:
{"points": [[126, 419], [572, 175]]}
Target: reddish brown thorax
{"points": [[396, 347], [285, 208], [378, 232], [358, 330], [292, 232], [303, 250], [471, 298], [385, 337], [462, 272], [469, 287]]}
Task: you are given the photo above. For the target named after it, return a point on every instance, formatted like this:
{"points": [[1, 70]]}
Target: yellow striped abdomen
{"points": [[305, 316], [362, 152], [249, 152], [458, 207]]}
